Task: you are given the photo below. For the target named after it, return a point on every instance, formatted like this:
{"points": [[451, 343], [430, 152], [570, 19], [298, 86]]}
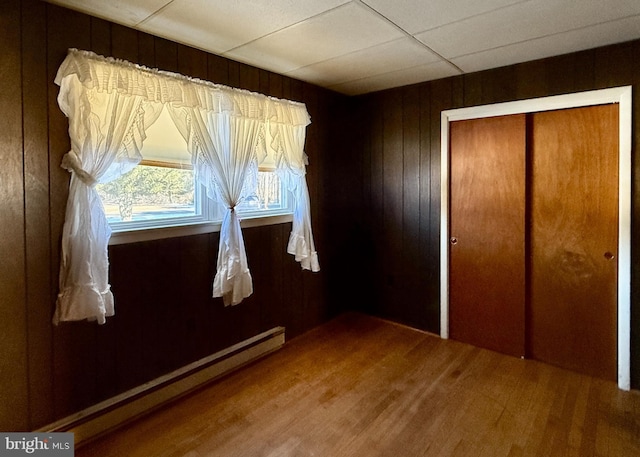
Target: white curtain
{"points": [[106, 132], [110, 103], [227, 151], [291, 166]]}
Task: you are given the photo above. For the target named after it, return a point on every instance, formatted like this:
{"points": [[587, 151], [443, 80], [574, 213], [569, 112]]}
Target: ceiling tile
{"points": [[218, 26], [337, 32], [522, 22], [562, 43], [395, 55], [419, 15], [125, 12], [426, 72]]}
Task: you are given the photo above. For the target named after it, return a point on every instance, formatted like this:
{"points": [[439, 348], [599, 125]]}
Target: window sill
{"points": [[135, 236]]}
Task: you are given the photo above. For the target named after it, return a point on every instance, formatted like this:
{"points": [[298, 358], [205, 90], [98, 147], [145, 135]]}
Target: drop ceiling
{"points": [[361, 46]]}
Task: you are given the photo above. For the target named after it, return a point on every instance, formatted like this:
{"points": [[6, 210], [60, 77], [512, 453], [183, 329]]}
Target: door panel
{"points": [[572, 312], [487, 217]]}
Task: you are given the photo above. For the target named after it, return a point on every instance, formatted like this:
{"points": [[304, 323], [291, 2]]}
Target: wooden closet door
{"points": [[487, 228], [572, 316]]}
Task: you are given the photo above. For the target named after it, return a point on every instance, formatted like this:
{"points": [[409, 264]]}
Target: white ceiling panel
{"points": [[359, 46], [419, 15], [397, 78], [337, 32], [521, 22], [223, 25], [392, 56], [125, 12], [561, 43]]}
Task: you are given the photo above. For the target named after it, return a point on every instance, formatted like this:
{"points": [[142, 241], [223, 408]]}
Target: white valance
{"points": [[110, 103], [100, 74]]}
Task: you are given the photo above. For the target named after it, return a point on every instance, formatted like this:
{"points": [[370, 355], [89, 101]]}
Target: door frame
{"points": [[619, 95]]}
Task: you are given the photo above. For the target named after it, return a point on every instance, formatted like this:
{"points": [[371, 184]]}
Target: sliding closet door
{"points": [[487, 245], [572, 316]]}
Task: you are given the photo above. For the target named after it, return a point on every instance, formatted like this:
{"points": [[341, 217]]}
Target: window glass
{"points": [[151, 191], [268, 196]]}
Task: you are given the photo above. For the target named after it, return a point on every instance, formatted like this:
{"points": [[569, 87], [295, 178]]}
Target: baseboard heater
{"points": [[116, 411]]}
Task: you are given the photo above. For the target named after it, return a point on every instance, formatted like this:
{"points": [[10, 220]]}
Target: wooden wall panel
{"points": [[429, 182], [392, 199], [13, 363], [249, 78], [444, 94], [607, 71], [166, 53], [346, 222], [321, 194], [234, 73], [192, 62], [275, 85], [36, 193], [121, 341], [101, 37], [530, 80], [73, 359], [217, 69], [376, 203], [411, 196]]}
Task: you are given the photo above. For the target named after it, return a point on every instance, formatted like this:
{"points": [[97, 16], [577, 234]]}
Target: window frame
{"points": [[158, 233], [208, 221]]}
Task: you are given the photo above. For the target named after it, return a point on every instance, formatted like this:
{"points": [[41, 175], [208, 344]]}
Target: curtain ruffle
{"points": [[299, 248], [72, 304], [107, 74]]}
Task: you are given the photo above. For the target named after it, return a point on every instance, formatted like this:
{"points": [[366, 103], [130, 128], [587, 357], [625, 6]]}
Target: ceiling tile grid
{"points": [[416, 16], [399, 54], [618, 31], [359, 46], [397, 78], [219, 26], [124, 12], [519, 23], [337, 32]]}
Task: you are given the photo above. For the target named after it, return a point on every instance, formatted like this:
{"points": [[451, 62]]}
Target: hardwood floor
{"points": [[360, 386]]}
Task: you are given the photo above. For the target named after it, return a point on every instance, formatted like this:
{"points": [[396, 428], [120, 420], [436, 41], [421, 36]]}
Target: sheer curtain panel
{"points": [[226, 147], [291, 165], [110, 103], [106, 132]]}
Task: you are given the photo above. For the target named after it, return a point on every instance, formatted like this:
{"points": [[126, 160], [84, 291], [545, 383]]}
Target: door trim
{"points": [[623, 97]]}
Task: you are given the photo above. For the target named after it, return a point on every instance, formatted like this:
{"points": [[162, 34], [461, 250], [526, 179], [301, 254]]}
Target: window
{"points": [[162, 191], [111, 106]]}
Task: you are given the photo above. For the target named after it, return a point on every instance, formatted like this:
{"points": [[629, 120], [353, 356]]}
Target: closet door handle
{"points": [[609, 255], [453, 240]]}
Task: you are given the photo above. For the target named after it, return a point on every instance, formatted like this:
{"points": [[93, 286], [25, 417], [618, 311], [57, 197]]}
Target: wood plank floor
{"points": [[360, 386]]}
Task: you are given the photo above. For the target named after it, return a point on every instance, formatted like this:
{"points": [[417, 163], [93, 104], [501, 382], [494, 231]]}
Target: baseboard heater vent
{"points": [[114, 412]]}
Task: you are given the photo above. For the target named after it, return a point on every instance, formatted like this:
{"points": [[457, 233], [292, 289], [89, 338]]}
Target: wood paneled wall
{"points": [[165, 316], [399, 166]]}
